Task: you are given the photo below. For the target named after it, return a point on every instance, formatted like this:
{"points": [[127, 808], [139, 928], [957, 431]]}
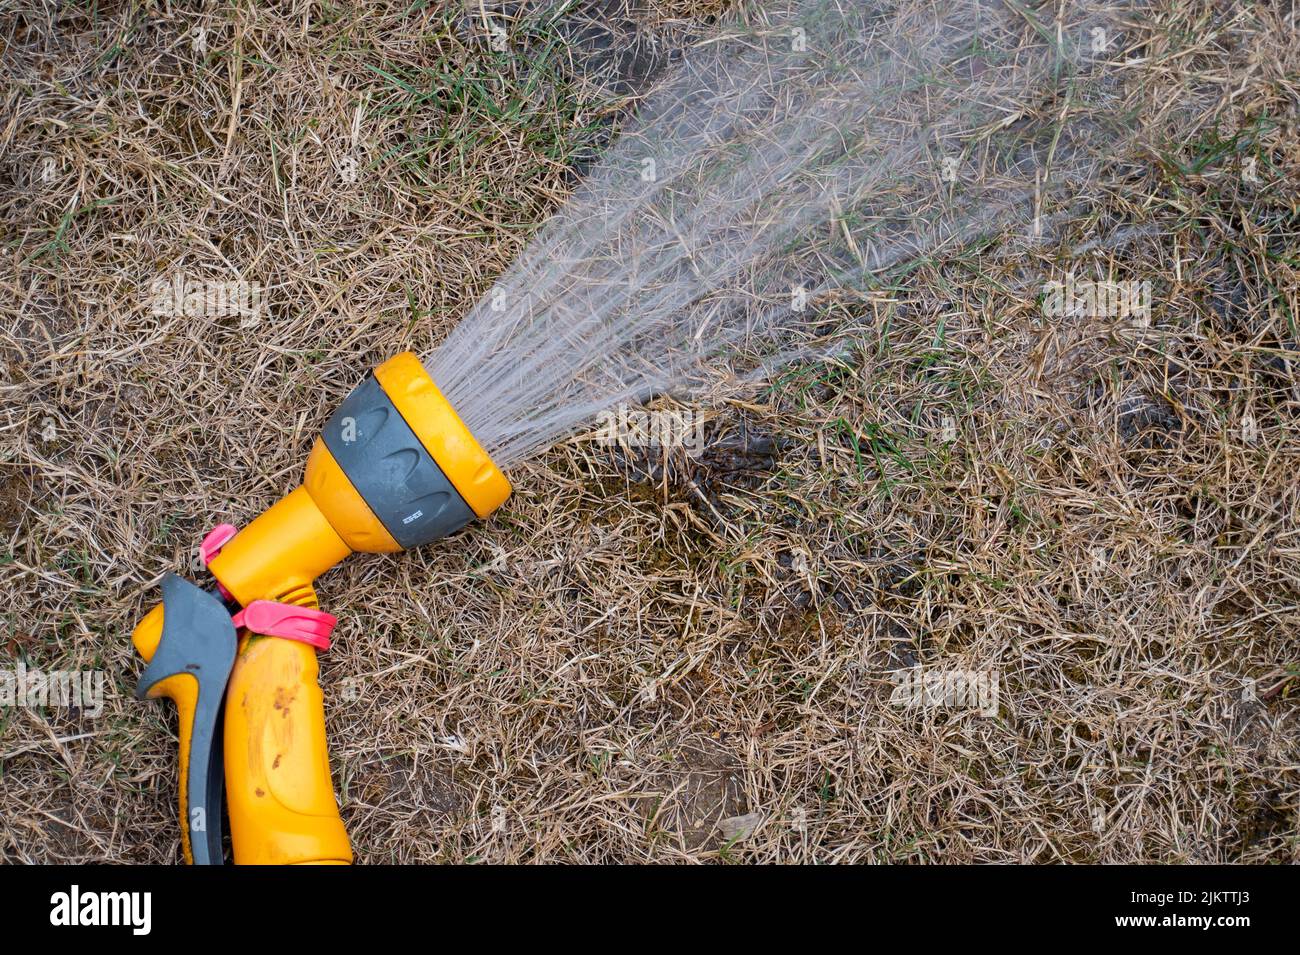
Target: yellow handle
{"points": [[278, 790], [183, 690], [279, 796]]}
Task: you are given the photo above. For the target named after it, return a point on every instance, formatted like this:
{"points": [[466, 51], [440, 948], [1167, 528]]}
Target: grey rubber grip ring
{"points": [[391, 469]]}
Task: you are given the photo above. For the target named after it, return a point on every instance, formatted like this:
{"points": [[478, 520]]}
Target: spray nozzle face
{"points": [[405, 452]]}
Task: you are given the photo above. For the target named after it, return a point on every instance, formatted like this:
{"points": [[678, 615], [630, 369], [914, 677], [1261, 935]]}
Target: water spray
{"points": [[746, 174]]}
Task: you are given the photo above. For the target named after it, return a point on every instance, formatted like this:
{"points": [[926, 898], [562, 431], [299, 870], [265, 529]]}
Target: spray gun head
{"points": [[394, 467], [403, 450], [423, 488]]}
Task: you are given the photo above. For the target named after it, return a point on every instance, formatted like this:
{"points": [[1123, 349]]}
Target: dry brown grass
{"points": [[636, 650]]}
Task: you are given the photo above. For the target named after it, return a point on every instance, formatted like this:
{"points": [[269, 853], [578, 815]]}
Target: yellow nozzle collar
{"points": [[434, 421]]}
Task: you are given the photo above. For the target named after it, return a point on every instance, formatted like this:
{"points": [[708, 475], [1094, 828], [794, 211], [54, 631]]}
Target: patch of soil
{"points": [[400, 782], [699, 786], [1147, 422], [16, 492], [736, 456]]}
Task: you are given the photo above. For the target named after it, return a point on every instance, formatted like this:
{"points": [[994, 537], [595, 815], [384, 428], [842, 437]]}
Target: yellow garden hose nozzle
{"points": [[395, 467]]}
